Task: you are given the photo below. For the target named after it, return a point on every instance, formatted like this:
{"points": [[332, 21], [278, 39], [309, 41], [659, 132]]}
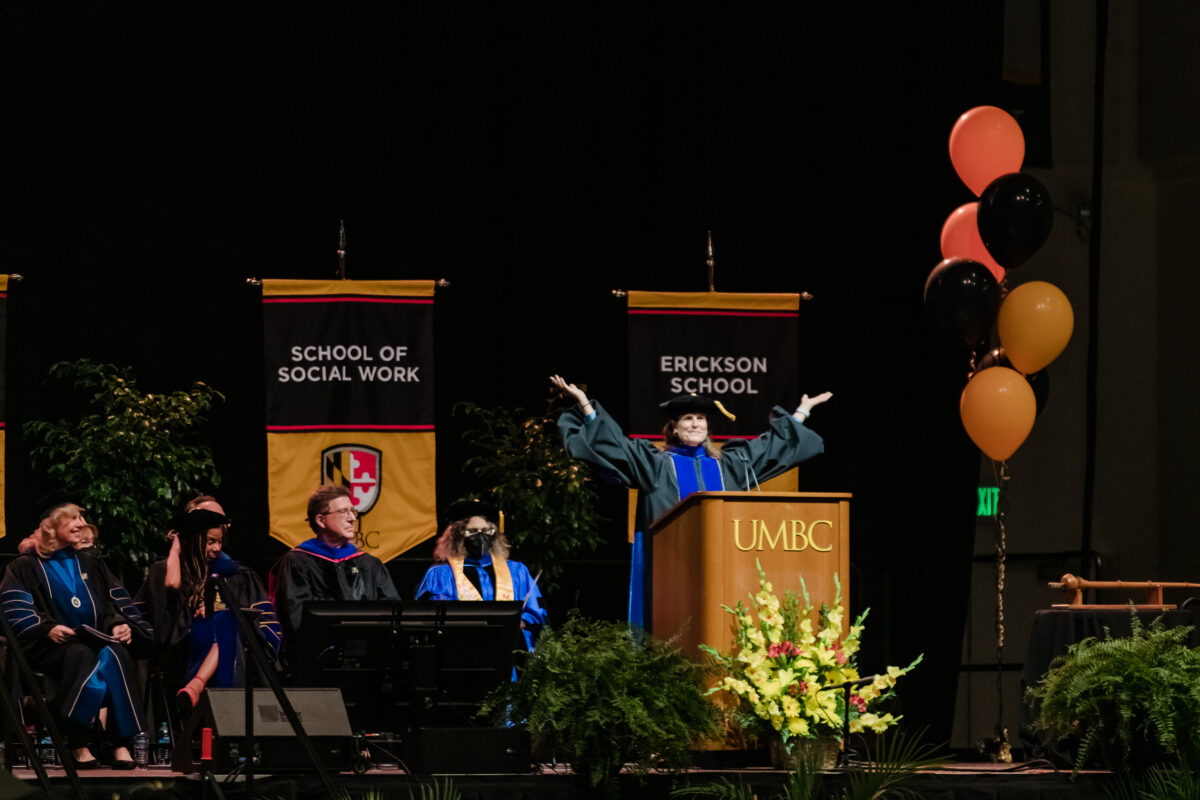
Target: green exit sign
{"points": [[988, 496]]}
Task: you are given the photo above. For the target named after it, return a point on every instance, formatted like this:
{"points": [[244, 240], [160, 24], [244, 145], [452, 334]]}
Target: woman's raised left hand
{"points": [[808, 403]]}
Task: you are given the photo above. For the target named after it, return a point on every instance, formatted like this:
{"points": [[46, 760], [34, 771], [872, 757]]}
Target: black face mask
{"points": [[477, 544]]}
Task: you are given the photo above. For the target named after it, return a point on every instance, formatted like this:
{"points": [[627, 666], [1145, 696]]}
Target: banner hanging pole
{"points": [[711, 262], [341, 253]]}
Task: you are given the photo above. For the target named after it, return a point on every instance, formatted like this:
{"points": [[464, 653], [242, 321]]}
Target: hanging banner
{"points": [[349, 389], [739, 349], [3, 395]]}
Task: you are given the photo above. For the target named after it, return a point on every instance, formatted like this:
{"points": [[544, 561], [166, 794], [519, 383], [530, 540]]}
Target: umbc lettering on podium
{"points": [[791, 535]]}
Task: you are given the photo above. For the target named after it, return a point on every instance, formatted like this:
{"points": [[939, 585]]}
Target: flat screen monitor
{"points": [[402, 666]]}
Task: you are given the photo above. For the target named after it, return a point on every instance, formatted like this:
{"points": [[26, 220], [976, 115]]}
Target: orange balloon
{"points": [[960, 237], [998, 409], [1035, 324], [986, 143]]}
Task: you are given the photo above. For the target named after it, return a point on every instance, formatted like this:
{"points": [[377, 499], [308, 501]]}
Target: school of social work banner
{"points": [[3, 392], [349, 373]]}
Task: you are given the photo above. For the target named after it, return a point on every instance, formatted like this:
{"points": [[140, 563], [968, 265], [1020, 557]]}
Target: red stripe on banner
{"points": [[659, 436], [294, 428], [349, 299], [718, 313]]}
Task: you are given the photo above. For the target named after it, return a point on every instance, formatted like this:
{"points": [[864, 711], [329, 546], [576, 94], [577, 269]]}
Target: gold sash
{"points": [[467, 591]]}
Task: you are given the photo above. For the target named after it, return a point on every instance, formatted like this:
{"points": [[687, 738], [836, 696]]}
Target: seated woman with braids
{"points": [[476, 566], [188, 596], [75, 623]]}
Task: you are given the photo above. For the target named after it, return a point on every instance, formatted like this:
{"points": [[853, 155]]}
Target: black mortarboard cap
{"points": [[693, 404], [49, 502], [199, 520], [465, 509]]}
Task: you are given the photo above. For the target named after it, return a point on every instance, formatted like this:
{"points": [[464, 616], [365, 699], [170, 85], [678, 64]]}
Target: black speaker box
{"points": [[276, 747], [474, 751]]}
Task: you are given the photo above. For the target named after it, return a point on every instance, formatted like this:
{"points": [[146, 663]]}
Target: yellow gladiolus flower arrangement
{"points": [[782, 670]]}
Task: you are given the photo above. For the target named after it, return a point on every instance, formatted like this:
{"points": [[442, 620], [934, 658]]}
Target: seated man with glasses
{"points": [[475, 552], [328, 566]]}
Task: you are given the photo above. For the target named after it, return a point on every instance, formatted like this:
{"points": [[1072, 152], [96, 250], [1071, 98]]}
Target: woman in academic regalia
{"points": [[188, 595], [689, 463], [75, 622], [475, 565]]}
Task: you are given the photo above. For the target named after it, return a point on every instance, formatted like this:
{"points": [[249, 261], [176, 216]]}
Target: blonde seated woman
{"points": [[48, 597]]}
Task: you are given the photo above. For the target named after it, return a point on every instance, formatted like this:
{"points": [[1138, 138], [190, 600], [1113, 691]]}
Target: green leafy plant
{"points": [[438, 790], [596, 696], [895, 758], [548, 500], [722, 789], [1135, 700], [133, 458], [1160, 784]]}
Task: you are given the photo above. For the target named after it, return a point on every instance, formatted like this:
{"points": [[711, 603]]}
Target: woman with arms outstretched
{"points": [[689, 463]]}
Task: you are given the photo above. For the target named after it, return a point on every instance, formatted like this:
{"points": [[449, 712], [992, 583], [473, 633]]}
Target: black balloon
{"points": [[1038, 381], [963, 298], [1015, 217]]}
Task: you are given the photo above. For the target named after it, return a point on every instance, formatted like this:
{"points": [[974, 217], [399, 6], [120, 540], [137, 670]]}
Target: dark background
{"points": [[155, 157]]}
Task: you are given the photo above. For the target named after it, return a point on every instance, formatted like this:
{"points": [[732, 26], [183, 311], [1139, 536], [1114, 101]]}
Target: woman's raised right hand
{"points": [[559, 383]]}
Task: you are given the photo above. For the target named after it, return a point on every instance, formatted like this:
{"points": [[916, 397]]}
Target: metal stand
{"points": [[39, 703], [846, 756], [254, 651]]}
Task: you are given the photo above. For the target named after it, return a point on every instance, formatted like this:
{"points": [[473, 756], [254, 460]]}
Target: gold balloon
{"points": [[998, 408], [1035, 324]]}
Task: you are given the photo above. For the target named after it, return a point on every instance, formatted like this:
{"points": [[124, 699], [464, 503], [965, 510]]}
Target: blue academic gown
{"points": [[438, 584], [220, 628], [664, 478], [73, 589]]}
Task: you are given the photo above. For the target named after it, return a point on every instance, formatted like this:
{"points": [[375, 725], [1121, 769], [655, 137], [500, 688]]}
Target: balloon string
{"points": [[1002, 477]]}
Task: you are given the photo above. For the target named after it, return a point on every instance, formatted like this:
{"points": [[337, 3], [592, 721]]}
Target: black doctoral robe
{"points": [[71, 668], [303, 575], [172, 620]]}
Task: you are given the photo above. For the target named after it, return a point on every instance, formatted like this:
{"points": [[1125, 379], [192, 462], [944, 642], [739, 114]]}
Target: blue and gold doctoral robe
{"points": [[664, 478]]}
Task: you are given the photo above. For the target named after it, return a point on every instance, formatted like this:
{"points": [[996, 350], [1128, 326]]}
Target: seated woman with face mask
{"points": [[476, 566]]}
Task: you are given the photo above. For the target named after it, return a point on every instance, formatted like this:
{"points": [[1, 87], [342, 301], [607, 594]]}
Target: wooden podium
{"points": [[703, 552]]}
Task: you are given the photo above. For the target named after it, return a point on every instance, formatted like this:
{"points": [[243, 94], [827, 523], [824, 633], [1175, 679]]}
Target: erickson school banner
{"points": [[740, 349], [349, 388]]}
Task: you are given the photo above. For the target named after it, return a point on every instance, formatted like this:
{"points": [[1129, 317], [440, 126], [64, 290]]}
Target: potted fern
{"points": [[597, 695], [1134, 701]]}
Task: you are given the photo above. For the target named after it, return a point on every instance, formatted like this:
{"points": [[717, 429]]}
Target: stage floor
{"points": [[957, 782]]}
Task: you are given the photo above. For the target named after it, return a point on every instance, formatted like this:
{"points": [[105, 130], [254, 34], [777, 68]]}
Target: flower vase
{"points": [[818, 752]]}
